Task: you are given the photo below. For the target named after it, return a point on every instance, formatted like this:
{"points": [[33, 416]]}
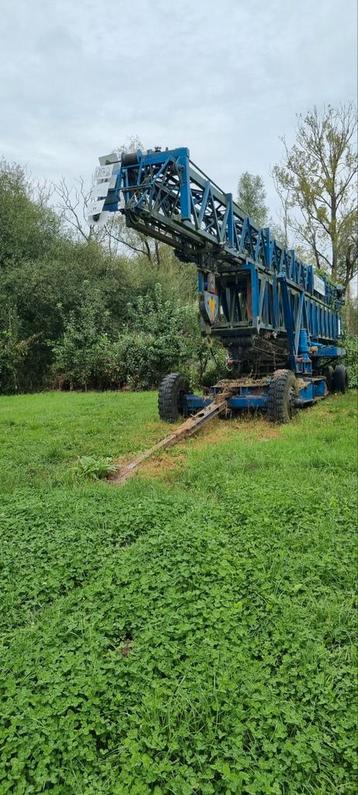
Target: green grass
{"points": [[191, 633]]}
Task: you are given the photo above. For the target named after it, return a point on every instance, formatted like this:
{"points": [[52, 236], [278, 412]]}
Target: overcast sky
{"points": [[223, 77]]}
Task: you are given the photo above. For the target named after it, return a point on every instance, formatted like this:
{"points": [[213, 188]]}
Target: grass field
{"points": [[191, 632]]}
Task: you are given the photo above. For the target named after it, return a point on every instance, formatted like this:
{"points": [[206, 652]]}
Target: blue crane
{"points": [[278, 319]]}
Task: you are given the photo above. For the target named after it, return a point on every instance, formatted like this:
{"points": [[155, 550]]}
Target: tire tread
{"points": [[168, 397], [340, 379], [276, 404]]}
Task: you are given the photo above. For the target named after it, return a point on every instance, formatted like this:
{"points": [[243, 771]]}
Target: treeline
{"points": [[82, 308], [73, 314]]}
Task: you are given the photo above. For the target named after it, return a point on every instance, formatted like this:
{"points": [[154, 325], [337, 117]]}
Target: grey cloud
{"points": [[225, 79]]}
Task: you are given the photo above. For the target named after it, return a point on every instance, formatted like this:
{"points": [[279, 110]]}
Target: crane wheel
{"points": [[171, 397], [340, 379], [282, 394], [328, 374]]}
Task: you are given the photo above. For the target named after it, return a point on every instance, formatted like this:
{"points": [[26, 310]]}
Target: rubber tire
{"points": [[328, 374], [171, 391], [281, 390], [340, 379]]}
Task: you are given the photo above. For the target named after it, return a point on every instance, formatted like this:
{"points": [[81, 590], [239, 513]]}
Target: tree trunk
{"points": [[157, 252]]}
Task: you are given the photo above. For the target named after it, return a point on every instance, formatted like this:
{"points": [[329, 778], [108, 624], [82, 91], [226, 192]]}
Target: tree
{"points": [[13, 352], [318, 180], [28, 227], [281, 229], [73, 309], [251, 198], [72, 206], [352, 316], [115, 237]]}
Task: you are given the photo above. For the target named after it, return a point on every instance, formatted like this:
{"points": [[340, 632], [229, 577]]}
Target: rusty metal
{"points": [[187, 428], [234, 384]]}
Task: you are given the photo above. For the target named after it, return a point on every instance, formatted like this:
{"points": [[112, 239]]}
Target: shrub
{"points": [[351, 346], [159, 336], [94, 468]]}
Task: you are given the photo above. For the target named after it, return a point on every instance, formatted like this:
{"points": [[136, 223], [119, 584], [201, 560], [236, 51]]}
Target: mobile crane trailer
{"points": [[278, 318]]}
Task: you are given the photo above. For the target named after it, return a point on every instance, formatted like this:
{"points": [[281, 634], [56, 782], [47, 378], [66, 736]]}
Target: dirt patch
{"points": [[167, 464], [120, 464], [257, 428], [160, 465], [164, 465], [217, 431], [125, 649]]}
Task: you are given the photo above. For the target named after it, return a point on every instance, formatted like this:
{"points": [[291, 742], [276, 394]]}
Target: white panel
{"points": [[104, 172], [111, 158], [100, 190], [95, 193], [94, 208], [318, 284]]}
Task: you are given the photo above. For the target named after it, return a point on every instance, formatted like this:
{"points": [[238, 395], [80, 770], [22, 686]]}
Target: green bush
{"points": [[351, 346], [75, 315], [94, 468], [216, 368], [159, 336]]}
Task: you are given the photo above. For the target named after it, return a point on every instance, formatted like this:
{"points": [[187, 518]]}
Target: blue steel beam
{"points": [[166, 188], [259, 286]]}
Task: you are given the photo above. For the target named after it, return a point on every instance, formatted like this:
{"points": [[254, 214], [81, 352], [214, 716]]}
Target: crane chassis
{"points": [[277, 317]]}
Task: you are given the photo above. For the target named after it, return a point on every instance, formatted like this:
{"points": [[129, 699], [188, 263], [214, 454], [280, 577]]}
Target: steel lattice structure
{"points": [[269, 309]]}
